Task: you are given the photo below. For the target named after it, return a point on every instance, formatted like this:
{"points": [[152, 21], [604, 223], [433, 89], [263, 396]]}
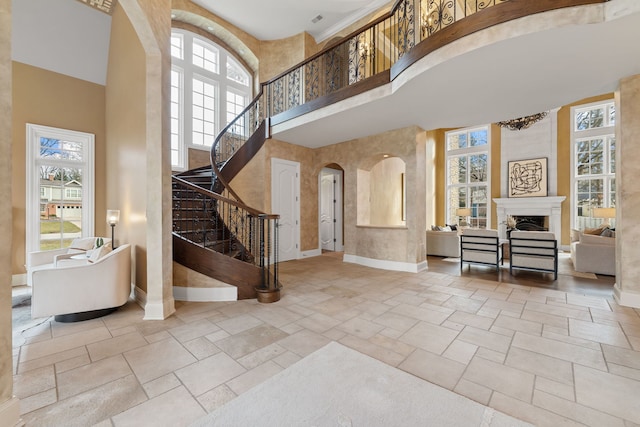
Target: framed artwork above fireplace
{"points": [[527, 178]]}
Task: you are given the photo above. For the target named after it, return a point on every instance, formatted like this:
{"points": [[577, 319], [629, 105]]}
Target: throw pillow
{"points": [[607, 232], [434, 228], [82, 244], [446, 228], [594, 231], [453, 227], [99, 253]]}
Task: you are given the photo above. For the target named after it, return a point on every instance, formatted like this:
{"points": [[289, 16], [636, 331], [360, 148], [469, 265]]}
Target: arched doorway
{"points": [[330, 208]]}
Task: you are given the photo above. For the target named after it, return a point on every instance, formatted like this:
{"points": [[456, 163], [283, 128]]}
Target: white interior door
{"points": [[285, 201], [330, 209]]}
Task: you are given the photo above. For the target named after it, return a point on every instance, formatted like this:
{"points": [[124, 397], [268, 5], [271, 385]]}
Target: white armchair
{"points": [[480, 246], [534, 250], [74, 290], [47, 259]]}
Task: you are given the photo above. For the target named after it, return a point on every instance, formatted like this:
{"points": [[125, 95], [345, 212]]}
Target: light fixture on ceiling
{"points": [[317, 19], [522, 122]]}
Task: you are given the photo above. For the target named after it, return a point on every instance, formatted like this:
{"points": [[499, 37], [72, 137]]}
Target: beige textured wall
{"points": [[6, 365], [126, 151], [277, 56], [46, 98], [407, 144], [253, 185], [385, 197]]}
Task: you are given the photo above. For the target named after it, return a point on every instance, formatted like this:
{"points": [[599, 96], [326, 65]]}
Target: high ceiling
{"points": [[276, 19]]}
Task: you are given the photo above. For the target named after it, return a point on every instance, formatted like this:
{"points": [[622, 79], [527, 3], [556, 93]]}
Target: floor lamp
{"points": [[113, 216]]}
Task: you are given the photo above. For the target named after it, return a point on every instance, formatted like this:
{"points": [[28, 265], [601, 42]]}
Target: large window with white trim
{"points": [[593, 157], [209, 88], [60, 187], [468, 177]]}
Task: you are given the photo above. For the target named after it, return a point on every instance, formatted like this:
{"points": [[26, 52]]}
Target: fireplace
{"points": [[531, 222], [529, 207]]}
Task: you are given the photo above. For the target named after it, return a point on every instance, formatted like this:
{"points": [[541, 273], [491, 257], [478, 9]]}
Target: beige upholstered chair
{"points": [[479, 246], [534, 250], [81, 289]]}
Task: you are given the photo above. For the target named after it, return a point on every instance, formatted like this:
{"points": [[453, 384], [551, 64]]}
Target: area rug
{"points": [[565, 266], [337, 386]]}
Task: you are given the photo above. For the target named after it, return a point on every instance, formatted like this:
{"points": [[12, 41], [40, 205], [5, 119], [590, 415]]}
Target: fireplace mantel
{"points": [[530, 206]]}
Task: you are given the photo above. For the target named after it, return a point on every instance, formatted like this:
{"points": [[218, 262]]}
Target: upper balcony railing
{"points": [[368, 52]]}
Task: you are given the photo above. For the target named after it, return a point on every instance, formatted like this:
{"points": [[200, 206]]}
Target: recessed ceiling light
{"points": [[317, 19], [210, 28]]}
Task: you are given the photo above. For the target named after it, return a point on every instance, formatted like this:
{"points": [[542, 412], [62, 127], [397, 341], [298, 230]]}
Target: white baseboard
{"points": [[19, 279], [227, 293], [139, 296], [10, 413], [385, 264], [154, 311], [626, 299], [311, 253]]}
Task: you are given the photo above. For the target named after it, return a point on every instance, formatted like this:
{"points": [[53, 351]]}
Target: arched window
{"points": [[209, 88]]}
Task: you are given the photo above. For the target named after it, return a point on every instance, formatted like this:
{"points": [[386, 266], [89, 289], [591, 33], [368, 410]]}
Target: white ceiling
{"points": [[64, 36], [277, 19]]}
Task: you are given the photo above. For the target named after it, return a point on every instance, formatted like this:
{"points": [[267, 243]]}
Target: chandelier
{"points": [[522, 122]]}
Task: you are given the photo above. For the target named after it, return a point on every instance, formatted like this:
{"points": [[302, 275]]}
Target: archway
{"points": [[331, 208]]}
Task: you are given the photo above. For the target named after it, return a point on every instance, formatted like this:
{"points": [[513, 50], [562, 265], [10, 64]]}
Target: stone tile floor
{"points": [[545, 355]]}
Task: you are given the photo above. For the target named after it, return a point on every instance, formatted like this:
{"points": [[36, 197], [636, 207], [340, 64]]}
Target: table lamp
{"points": [[606, 213], [464, 212]]}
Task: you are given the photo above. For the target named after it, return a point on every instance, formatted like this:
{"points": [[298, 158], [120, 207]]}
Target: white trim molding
{"points": [[10, 413], [626, 299], [139, 296], [19, 279], [386, 264], [226, 293], [311, 253]]}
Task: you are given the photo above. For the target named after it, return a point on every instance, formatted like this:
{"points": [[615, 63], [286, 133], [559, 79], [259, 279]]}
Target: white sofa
{"points": [[80, 289], [594, 254], [443, 243]]}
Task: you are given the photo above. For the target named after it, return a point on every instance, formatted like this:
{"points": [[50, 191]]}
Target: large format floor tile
{"points": [[551, 353]]}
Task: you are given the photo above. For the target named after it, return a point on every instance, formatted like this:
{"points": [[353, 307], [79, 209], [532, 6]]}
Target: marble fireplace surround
{"points": [[530, 206]]}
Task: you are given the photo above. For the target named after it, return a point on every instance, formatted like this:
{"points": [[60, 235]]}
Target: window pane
{"points": [[456, 141], [457, 199], [205, 57], [60, 206], [478, 168], [203, 111], [176, 46], [236, 73], [458, 170], [58, 149], [478, 137], [176, 123], [612, 154], [597, 118]]}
